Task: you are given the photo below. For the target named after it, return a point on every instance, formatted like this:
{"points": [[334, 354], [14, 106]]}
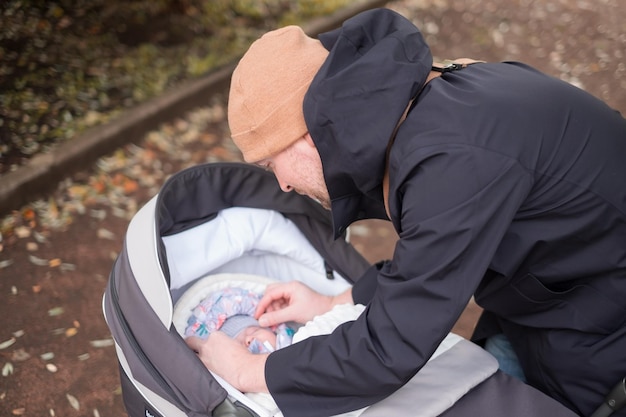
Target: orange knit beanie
{"points": [[267, 92]]}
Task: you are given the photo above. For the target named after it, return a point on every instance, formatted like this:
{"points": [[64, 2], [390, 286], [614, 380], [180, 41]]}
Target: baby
{"points": [[231, 311], [247, 331]]}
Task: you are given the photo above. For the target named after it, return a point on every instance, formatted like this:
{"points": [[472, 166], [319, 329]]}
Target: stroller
{"points": [[217, 219]]}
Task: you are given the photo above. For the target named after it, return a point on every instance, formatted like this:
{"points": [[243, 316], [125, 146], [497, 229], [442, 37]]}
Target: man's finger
{"points": [[195, 343], [272, 295], [275, 317]]}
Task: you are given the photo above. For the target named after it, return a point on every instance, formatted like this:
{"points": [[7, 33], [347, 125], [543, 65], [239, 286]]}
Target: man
{"points": [[503, 183]]}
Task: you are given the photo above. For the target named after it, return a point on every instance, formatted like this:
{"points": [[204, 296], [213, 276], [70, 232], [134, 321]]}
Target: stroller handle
{"points": [[614, 401]]}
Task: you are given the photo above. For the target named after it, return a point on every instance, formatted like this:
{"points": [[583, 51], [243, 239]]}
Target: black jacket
{"points": [[505, 183]]}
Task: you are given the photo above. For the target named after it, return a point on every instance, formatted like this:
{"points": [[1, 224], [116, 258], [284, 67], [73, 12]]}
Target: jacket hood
{"points": [[378, 60]]}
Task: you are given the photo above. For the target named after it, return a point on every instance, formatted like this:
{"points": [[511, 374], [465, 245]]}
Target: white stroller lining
{"points": [[456, 366], [253, 241]]}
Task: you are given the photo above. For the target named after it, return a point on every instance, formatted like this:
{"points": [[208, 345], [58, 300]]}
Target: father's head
{"points": [[267, 92]]}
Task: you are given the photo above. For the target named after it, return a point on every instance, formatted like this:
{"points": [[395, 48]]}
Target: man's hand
{"points": [[294, 301], [231, 361]]}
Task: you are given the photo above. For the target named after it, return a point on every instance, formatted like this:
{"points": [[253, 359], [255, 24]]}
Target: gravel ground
{"points": [[55, 254]]}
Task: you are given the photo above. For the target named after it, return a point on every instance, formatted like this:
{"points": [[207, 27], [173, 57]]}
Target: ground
{"points": [[55, 257]]}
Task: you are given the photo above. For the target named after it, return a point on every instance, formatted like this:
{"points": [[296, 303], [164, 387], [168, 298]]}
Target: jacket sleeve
{"points": [[365, 288], [452, 205]]}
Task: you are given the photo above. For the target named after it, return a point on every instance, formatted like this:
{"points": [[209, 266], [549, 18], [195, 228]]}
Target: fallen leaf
{"points": [[105, 234], [56, 311], [102, 343], [72, 331], [6, 263], [39, 237], [73, 401], [23, 232], [37, 261], [99, 186], [28, 214], [67, 267], [53, 209], [54, 262], [7, 369], [7, 343], [99, 214]]}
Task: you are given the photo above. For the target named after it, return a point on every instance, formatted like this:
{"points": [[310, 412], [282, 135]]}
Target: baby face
{"points": [[261, 334]]}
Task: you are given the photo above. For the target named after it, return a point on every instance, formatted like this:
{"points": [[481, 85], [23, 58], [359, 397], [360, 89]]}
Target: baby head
{"points": [[231, 310], [247, 331]]}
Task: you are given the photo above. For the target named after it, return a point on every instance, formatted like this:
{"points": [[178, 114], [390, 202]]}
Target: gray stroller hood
{"points": [[160, 375]]}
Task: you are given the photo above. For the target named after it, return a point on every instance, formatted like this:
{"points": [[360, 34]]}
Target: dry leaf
{"points": [[101, 343], [39, 237], [73, 401], [53, 209], [7, 343], [56, 311], [23, 232], [37, 261], [18, 411], [71, 332], [67, 267], [6, 263], [28, 214], [53, 263], [105, 234], [130, 186], [99, 214], [7, 369], [36, 289], [78, 191]]}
